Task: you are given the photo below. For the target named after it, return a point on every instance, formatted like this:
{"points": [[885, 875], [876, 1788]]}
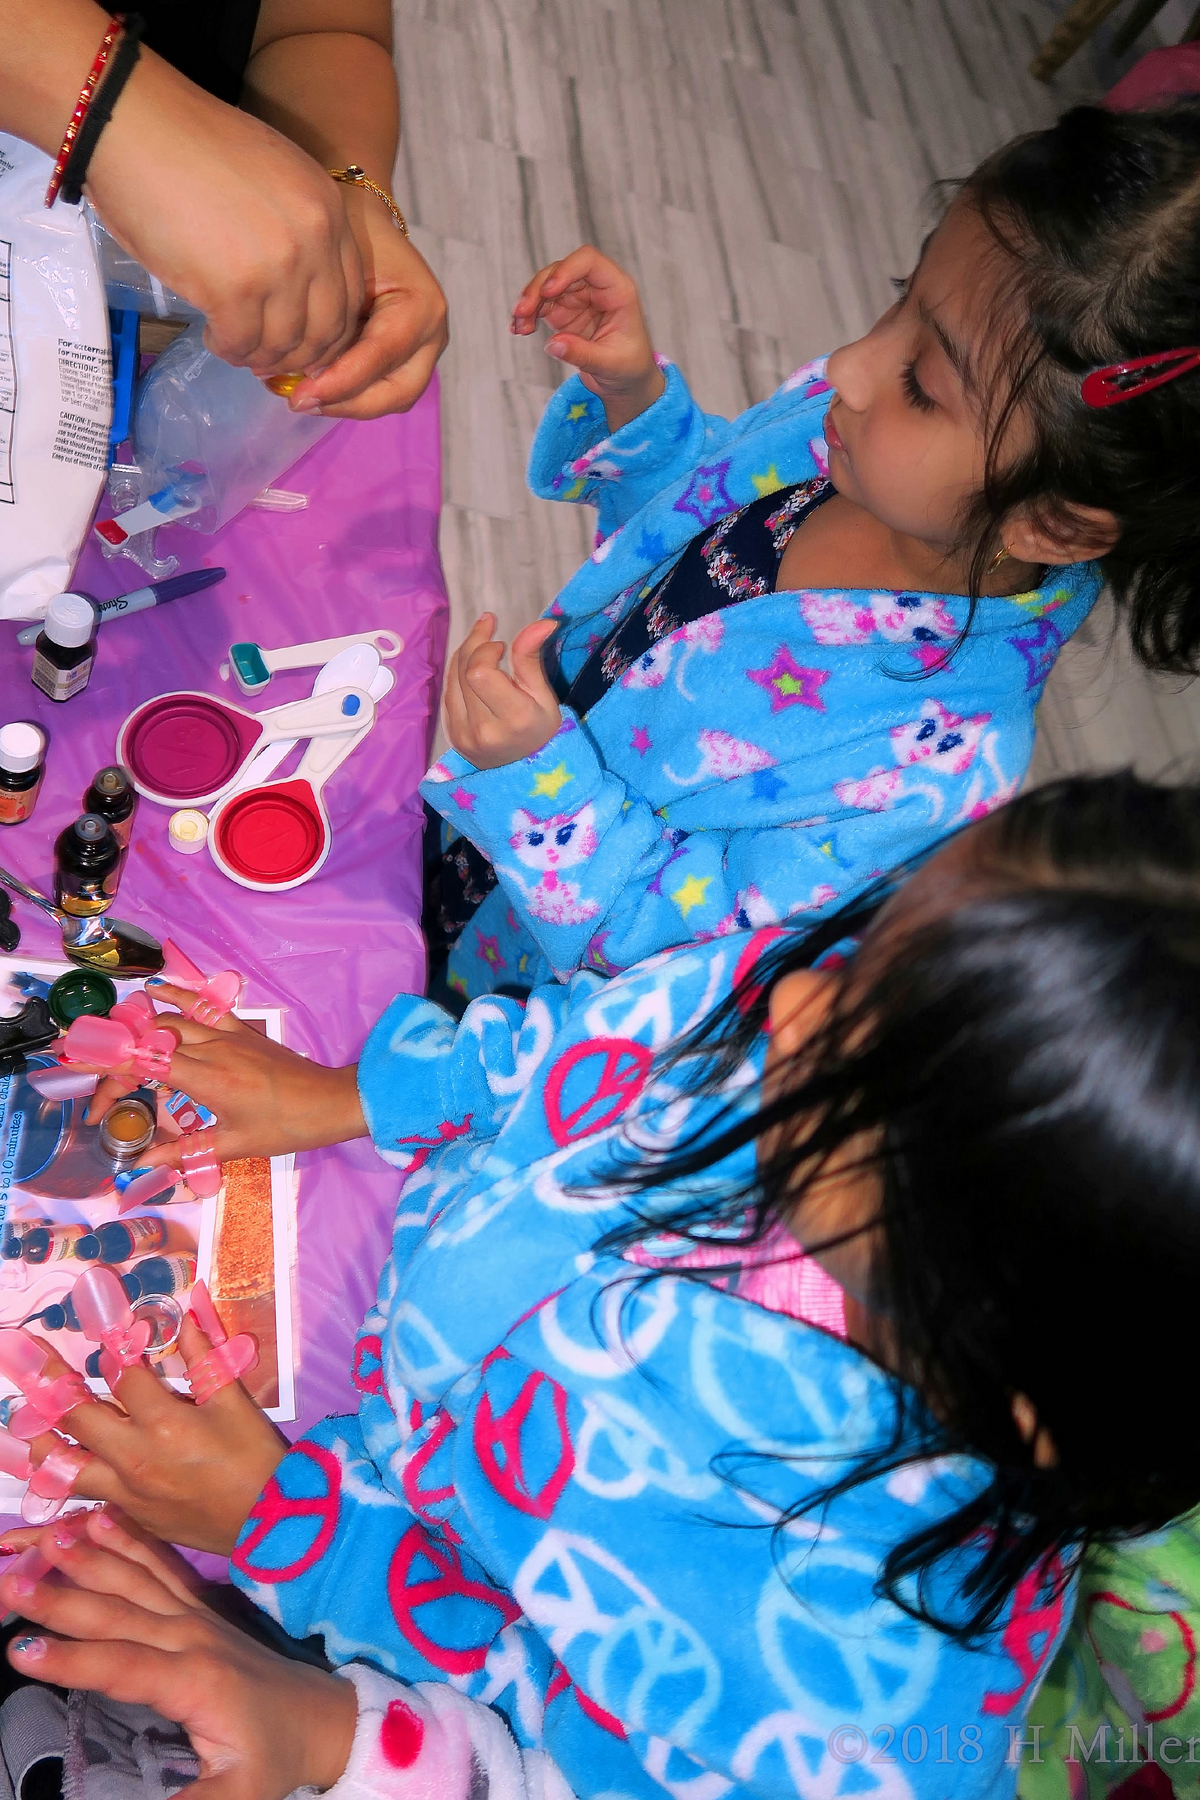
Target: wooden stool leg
{"points": [[1073, 29]]}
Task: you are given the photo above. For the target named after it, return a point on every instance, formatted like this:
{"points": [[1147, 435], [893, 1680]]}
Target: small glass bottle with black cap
{"points": [[112, 798], [87, 867]]}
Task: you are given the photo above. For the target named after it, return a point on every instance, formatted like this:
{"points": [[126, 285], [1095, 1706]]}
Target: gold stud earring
{"points": [[1001, 556]]}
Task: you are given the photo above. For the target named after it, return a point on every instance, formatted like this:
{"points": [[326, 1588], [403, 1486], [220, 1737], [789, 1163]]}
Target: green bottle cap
{"points": [[82, 991]]}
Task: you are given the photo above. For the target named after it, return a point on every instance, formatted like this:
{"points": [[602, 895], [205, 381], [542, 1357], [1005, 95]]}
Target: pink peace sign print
{"points": [[504, 1448], [424, 1581], [1031, 1631], [592, 1084], [366, 1370], [274, 1509], [421, 1497], [561, 1683]]}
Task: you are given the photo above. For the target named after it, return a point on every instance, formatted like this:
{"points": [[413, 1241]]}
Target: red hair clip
{"points": [[1124, 380]]}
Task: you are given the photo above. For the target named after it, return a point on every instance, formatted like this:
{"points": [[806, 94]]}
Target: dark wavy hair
{"points": [[1098, 224], [1025, 1067]]}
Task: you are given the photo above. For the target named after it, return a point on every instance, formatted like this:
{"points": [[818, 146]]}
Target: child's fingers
{"points": [[589, 355], [529, 302], [480, 632], [608, 282], [107, 1094], [117, 1533], [477, 680], [21, 1537], [526, 659], [499, 700], [190, 1031], [73, 1610]]}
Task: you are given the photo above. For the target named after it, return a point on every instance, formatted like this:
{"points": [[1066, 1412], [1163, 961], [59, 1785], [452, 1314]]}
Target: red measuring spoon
{"points": [[278, 835]]}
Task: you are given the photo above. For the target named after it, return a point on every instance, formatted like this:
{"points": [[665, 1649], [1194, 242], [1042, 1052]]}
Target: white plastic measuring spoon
{"points": [[357, 666], [252, 667]]}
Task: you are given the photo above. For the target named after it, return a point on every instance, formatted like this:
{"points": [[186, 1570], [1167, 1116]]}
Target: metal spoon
{"points": [[97, 943]]}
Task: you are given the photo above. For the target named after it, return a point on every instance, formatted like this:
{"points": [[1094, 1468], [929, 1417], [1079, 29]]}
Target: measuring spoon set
{"points": [[191, 750]]}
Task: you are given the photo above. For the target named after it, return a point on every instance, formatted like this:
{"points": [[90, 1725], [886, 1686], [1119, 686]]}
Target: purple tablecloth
{"points": [[332, 953]]}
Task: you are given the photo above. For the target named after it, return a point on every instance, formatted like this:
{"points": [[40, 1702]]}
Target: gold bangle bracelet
{"points": [[353, 176]]}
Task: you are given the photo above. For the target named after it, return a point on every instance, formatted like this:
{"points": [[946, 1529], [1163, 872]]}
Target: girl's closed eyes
{"points": [[916, 393]]}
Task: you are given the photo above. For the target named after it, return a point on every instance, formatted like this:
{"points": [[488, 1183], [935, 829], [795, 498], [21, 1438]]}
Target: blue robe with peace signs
{"points": [[761, 763], [561, 1490]]}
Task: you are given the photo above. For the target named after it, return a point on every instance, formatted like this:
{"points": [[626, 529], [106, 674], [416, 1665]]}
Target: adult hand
{"points": [[268, 1100], [185, 1472], [494, 718], [232, 216], [595, 316], [121, 1618], [404, 329]]}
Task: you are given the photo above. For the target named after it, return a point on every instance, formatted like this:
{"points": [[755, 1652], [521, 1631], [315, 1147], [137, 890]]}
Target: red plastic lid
{"points": [[272, 834], [186, 745]]}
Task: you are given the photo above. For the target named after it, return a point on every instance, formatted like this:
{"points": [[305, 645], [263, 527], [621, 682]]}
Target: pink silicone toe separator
{"points": [[14, 1456], [200, 1305], [22, 1359], [229, 1358], [201, 1168], [51, 1484], [145, 1187], [216, 995], [224, 1363], [61, 1083], [106, 1317]]}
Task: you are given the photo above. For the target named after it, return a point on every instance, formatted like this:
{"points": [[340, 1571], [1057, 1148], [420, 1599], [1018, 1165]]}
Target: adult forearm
{"points": [[334, 94], [46, 49]]}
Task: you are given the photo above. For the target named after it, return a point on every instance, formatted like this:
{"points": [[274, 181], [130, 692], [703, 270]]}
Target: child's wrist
{"points": [[628, 401], [334, 1722], [342, 1116]]}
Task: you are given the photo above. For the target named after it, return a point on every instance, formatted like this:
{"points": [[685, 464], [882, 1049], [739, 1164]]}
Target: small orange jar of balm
{"points": [[127, 1129]]}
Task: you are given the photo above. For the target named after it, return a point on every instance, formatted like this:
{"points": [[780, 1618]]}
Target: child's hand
{"points": [[493, 718], [595, 315], [122, 1618], [268, 1100], [188, 1473]]}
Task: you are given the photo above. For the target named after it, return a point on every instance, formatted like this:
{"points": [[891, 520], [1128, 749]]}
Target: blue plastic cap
{"points": [[350, 705]]}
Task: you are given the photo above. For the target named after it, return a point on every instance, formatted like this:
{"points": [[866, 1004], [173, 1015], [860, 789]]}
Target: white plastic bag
{"points": [[55, 384]]}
